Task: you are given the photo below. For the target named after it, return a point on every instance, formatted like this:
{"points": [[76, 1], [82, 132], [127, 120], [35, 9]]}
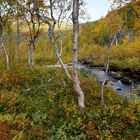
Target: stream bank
{"points": [[122, 81]]}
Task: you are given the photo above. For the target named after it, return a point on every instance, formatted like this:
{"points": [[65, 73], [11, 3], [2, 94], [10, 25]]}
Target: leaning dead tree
{"points": [[126, 21], [51, 21], [75, 18], [108, 60]]}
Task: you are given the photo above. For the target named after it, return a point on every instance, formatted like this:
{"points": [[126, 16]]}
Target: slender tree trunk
{"points": [[61, 47], [17, 43], [5, 52], [106, 74], [116, 41], [29, 54], [50, 33], [108, 61], [32, 54], [75, 53]]}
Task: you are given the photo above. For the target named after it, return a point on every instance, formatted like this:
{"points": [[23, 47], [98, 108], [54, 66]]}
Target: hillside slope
{"points": [[95, 36]]}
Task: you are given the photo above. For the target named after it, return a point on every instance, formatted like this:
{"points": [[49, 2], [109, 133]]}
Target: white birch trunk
{"points": [[108, 61], [50, 33], [61, 47], [29, 54], [6, 53], [33, 57], [17, 44], [76, 81]]}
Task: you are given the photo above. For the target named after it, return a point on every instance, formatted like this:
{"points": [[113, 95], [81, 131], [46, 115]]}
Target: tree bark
{"points": [[108, 61], [50, 33], [5, 52], [17, 37], [32, 54], [29, 54], [17, 43], [61, 46], [77, 88]]}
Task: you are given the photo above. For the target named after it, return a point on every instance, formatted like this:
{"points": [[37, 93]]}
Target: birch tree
{"points": [[51, 21], [129, 4], [75, 18], [108, 60], [126, 21], [5, 10], [29, 10], [64, 17], [17, 17]]}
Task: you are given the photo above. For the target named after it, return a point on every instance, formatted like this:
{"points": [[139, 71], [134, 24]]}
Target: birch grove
{"points": [[33, 14]]}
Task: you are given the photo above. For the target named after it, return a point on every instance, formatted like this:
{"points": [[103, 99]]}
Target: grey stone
{"points": [[126, 80], [115, 75]]}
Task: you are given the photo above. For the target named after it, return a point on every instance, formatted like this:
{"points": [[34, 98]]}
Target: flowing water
{"points": [[116, 84]]}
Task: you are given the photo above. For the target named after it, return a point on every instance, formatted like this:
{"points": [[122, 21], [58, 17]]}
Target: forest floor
{"points": [[40, 104]]}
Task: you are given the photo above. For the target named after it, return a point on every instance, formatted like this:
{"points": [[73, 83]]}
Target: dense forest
{"points": [[61, 79]]}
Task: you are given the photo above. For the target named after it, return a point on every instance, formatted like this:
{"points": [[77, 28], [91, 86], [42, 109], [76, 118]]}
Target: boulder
{"points": [[85, 62], [107, 82], [118, 89], [138, 92], [115, 75], [126, 80]]}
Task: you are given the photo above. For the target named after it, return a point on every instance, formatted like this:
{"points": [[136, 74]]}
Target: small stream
{"points": [[122, 85]]}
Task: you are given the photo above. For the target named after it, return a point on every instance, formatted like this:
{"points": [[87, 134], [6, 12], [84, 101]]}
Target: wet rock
{"points": [[127, 70], [136, 76], [91, 65], [138, 92], [118, 89], [112, 83], [114, 69], [115, 75], [85, 62], [107, 82], [126, 80]]}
